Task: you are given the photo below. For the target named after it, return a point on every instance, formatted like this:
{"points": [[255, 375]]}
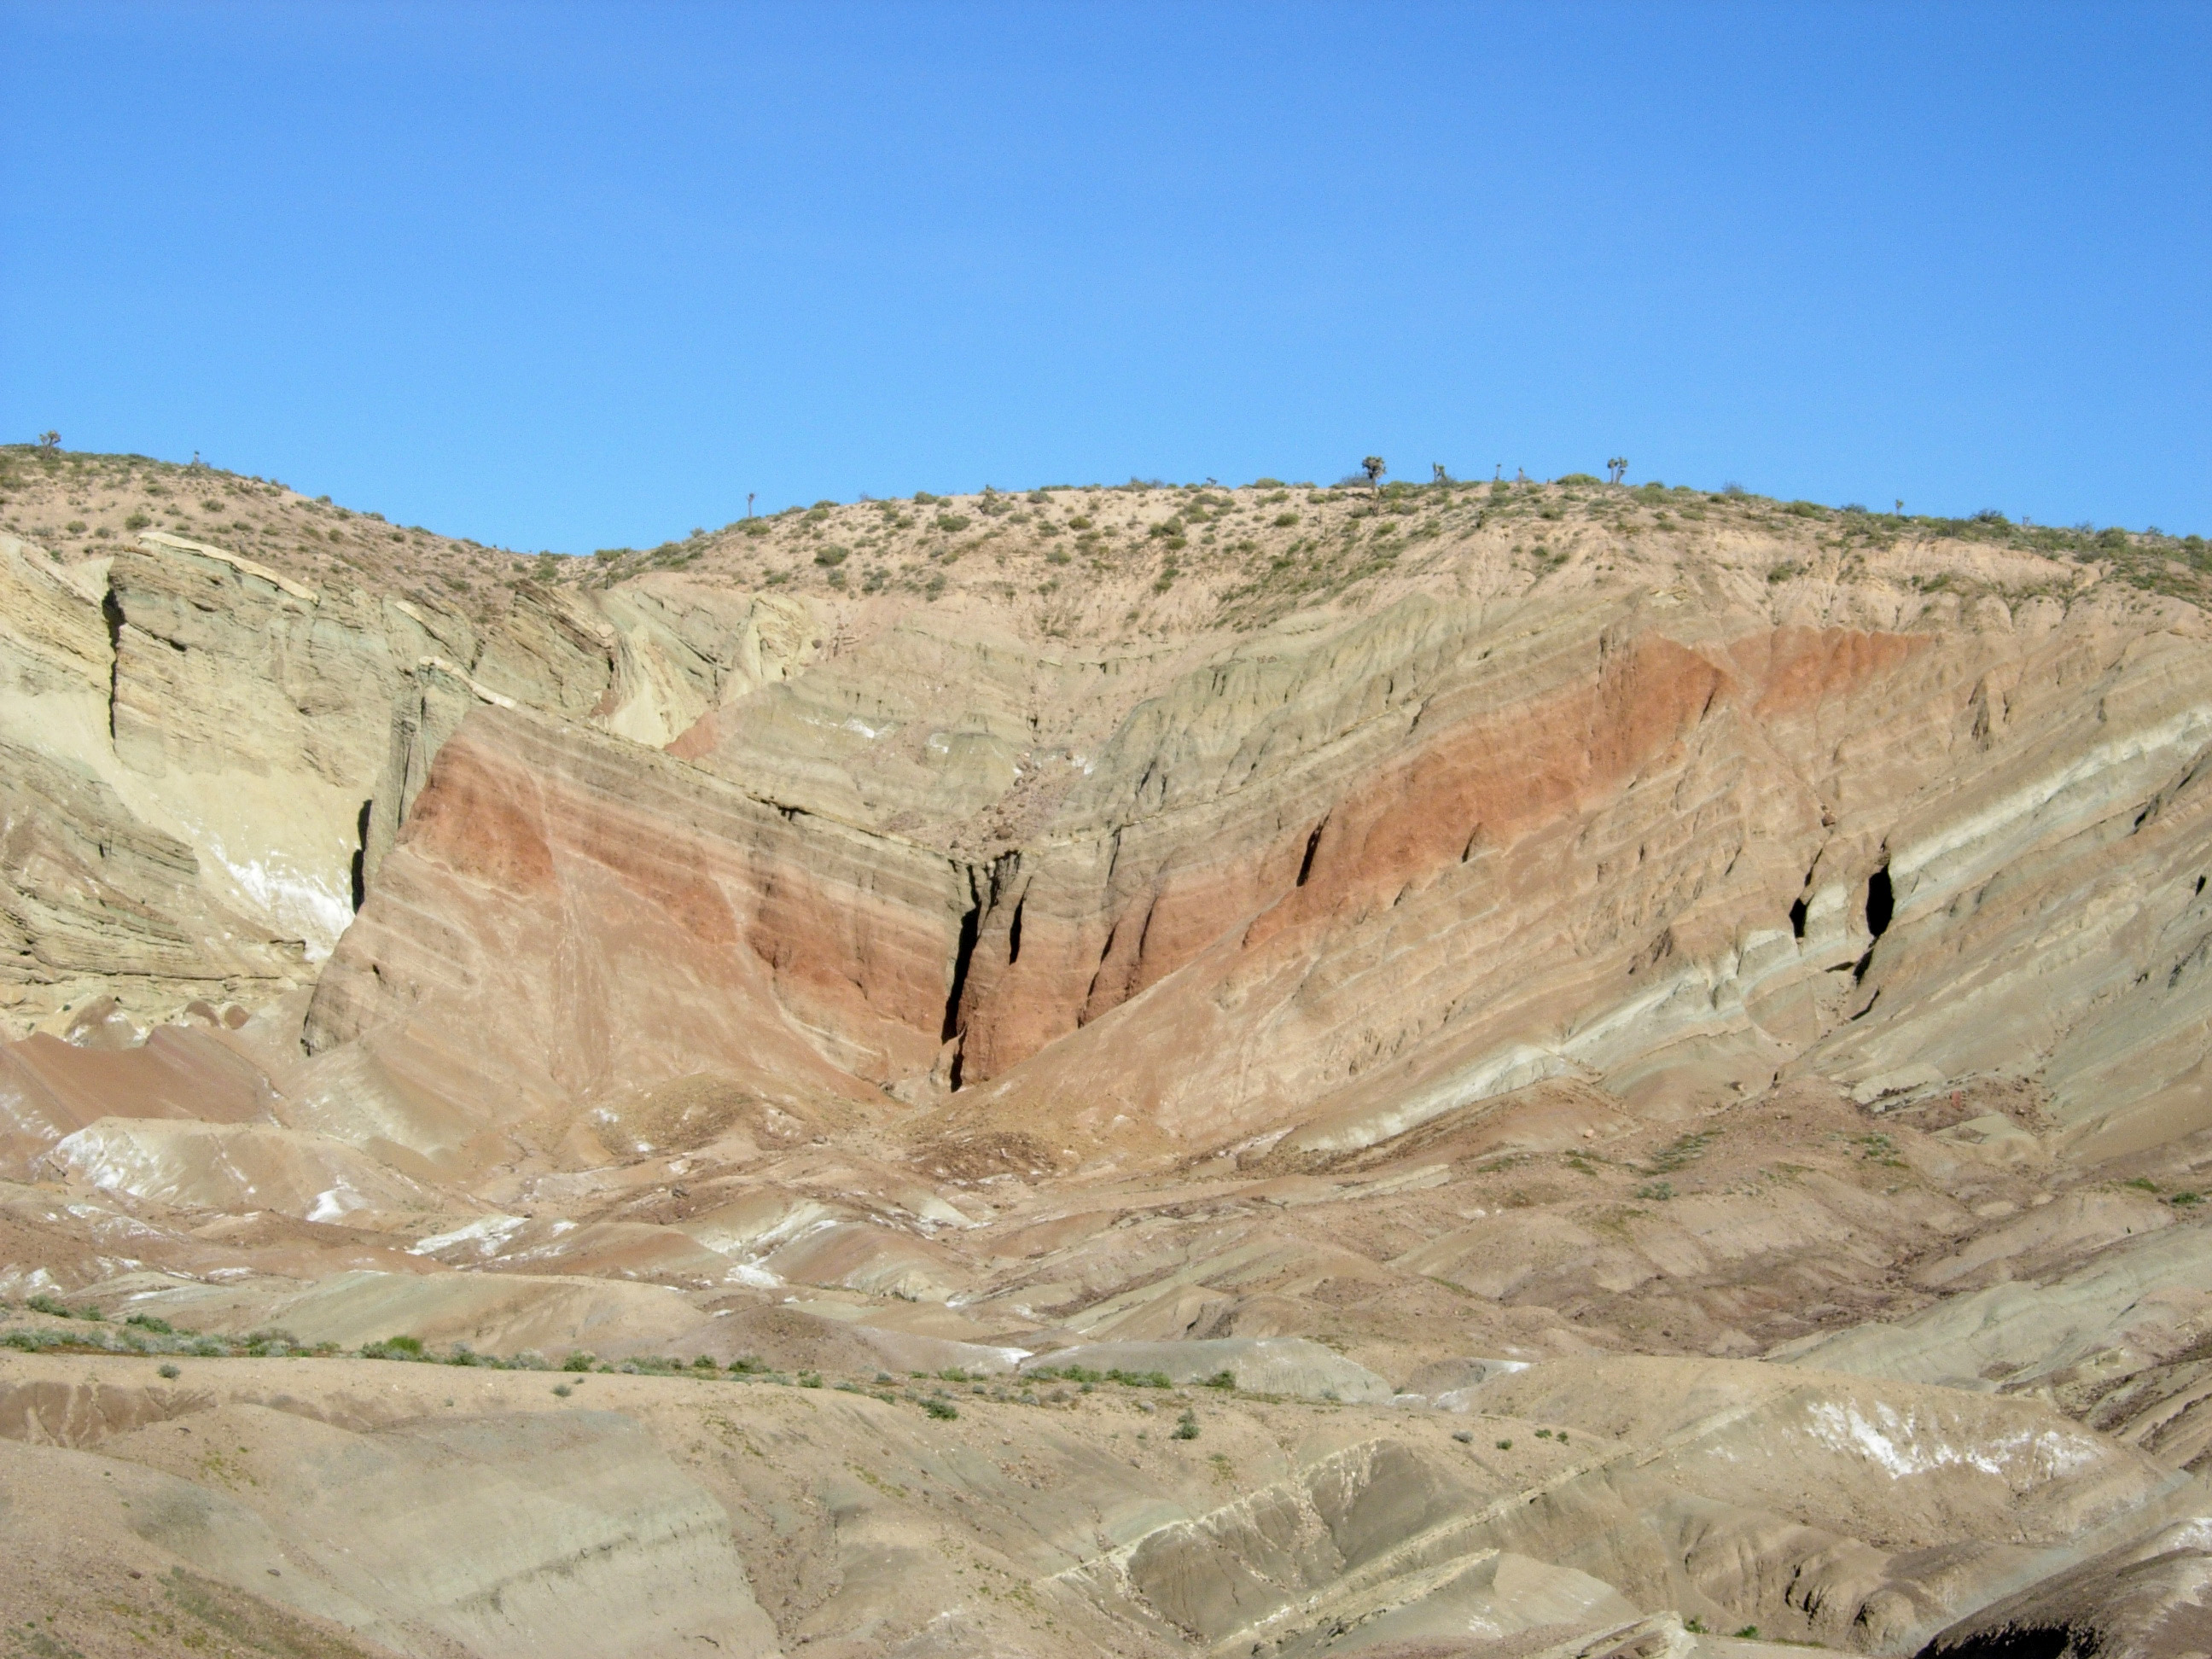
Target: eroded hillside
{"points": [[1490, 1067]]}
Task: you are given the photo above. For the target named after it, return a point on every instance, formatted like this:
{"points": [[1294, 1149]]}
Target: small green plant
{"points": [[954, 1374], [810, 1379], [2144, 1183], [170, 1371], [944, 1410], [578, 1361], [1748, 1633], [1695, 1627], [563, 1389], [1505, 1445], [705, 1364], [832, 556], [149, 1322], [42, 1303], [2182, 1200], [1226, 1380], [1186, 1426], [1658, 1192]]}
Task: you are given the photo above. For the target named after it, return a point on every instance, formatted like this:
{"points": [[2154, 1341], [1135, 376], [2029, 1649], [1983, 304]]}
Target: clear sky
{"points": [[582, 276]]}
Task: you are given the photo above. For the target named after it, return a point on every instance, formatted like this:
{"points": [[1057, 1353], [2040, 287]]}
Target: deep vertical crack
{"points": [[111, 610]]}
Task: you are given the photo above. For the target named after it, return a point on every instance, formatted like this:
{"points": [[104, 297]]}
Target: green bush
{"points": [[1220, 1380], [1186, 1427], [577, 1361], [170, 1371], [944, 1410], [42, 1303], [950, 523], [831, 556], [1140, 1379], [147, 1323]]}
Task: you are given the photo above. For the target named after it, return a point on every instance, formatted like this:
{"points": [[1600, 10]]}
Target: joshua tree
{"points": [[49, 441], [1374, 468], [1616, 469]]}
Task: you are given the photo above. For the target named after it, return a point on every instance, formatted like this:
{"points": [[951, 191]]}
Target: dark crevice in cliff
{"points": [[1797, 917], [361, 856], [1881, 901], [1014, 934], [1313, 846], [1083, 1014], [964, 953], [1881, 906], [111, 610]]}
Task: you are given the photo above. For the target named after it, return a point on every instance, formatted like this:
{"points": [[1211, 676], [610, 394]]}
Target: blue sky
{"points": [[571, 276]]}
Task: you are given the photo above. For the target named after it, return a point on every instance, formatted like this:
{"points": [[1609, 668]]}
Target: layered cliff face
{"points": [[1650, 1045]]}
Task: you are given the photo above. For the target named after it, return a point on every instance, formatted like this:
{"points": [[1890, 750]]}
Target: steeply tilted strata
{"points": [[1495, 1069]]}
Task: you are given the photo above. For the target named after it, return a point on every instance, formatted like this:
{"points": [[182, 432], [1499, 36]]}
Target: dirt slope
{"points": [[1507, 1068]]}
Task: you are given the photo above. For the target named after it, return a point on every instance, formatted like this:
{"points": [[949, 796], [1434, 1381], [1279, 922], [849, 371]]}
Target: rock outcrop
{"points": [[1541, 1070]]}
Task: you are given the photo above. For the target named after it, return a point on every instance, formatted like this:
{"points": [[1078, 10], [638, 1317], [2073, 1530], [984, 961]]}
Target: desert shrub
{"points": [[832, 556], [1505, 1445], [1220, 1380], [1186, 1427], [45, 1303], [170, 1371], [950, 523], [577, 1361], [1577, 478], [149, 1322], [1285, 521], [942, 1410]]}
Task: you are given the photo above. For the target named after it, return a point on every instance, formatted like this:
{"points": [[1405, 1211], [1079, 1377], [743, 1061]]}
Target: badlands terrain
{"points": [[1500, 1069]]}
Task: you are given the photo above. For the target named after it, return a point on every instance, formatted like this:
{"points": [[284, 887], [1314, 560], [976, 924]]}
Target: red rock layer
{"points": [[585, 915]]}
